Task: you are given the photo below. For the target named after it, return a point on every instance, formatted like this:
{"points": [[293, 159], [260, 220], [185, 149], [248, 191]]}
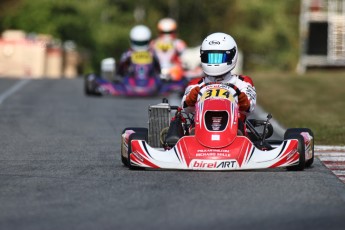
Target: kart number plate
{"points": [[141, 58], [217, 93]]}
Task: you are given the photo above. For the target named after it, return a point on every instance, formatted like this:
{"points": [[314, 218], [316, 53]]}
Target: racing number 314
{"points": [[217, 93]]}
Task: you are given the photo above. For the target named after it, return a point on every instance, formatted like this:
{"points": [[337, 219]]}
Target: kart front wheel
{"points": [[125, 160], [301, 149], [134, 136], [309, 148]]}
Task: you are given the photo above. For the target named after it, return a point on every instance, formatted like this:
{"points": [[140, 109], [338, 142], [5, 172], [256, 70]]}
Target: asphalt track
{"points": [[60, 168]]}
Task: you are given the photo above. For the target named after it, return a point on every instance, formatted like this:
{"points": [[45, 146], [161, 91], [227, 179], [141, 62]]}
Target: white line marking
{"points": [[13, 89]]}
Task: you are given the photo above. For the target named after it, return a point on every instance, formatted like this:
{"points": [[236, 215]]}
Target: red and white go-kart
{"points": [[212, 138]]}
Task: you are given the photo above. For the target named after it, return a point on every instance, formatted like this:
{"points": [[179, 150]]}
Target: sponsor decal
{"points": [[217, 85], [214, 42], [213, 164], [213, 150], [138, 156], [213, 154], [215, 137], [251, 92], [291, 154]]}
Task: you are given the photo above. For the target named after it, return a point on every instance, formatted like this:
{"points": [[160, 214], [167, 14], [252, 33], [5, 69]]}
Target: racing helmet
{"points": [[218, 53], [167, 26], [140, 37]]}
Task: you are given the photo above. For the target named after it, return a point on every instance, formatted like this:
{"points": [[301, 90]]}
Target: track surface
{"points": [[60, 168]]}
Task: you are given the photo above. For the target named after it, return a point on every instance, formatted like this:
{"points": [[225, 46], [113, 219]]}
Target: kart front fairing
{"points": [[215, 145], [189, 154]]}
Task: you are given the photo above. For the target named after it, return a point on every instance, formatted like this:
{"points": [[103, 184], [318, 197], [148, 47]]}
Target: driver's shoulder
{"points": [[196, 81], [245, 78]]}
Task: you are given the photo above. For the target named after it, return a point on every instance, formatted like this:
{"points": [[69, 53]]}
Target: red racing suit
{"points": [[243, 83]]}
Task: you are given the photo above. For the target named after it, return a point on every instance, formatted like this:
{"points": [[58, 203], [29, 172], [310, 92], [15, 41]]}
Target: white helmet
{"points": [[218, 53], [140, 37], [167, 26]]}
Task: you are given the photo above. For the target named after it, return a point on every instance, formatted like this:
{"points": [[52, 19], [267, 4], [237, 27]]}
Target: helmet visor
{"points": [[218, 56], [168, 32], [139, 43]]}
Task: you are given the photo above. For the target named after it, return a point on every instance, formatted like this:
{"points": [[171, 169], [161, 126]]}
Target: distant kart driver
{"points": [[169, 48], [140, 38], [218, 70]]}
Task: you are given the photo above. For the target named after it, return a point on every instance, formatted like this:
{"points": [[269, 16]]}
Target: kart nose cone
{"points": [[216, 123]]}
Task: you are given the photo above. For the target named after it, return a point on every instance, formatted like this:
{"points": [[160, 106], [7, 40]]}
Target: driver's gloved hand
{"points": [[243, 102], [192, 96]]}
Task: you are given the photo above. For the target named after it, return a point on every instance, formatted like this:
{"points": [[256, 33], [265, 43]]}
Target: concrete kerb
{"points": [[329, 148]]}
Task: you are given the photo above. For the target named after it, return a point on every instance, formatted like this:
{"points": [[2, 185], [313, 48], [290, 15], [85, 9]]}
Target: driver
{"points": [[169, 48], [218, 70], [140, 38]]}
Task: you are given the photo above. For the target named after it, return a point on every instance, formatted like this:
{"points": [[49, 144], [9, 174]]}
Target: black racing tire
{"points": [[89, 87], [301, 149], [144, 131], [309, 162], [135, 129], [135, 136], [87, 91]]}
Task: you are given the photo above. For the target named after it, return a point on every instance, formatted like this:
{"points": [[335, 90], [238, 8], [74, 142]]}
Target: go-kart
{"points": [[212, 138], [141, 80]]}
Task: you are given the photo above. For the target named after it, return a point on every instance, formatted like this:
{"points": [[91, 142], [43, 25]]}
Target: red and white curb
{"points": [[333, 157]]}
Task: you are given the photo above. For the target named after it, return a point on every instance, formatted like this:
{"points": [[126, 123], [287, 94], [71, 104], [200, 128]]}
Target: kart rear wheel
{"points": [[310, 161], [301, 149], [125, 161]]}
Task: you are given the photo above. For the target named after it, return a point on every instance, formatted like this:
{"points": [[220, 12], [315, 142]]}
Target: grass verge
{"points": [[315, 100]]}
